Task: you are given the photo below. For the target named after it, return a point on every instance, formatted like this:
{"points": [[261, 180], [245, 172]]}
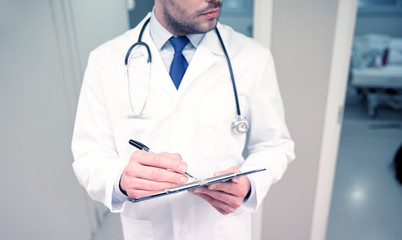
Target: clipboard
{"points": [[196, 184]]}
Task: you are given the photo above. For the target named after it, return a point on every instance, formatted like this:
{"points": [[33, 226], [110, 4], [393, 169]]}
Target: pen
{"points": [[142, 146]]}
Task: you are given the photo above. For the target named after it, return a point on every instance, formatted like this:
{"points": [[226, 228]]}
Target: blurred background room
{"points": [[366, 199], [339, 66]]}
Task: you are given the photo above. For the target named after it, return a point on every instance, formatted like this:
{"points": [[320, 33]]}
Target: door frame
{"points": [[344, 32], [343, 38], [262, 27]]}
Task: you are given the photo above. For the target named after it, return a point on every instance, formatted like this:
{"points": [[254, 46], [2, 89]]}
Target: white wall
{"points": [[303, 45], [40, 199], [42, 43]]}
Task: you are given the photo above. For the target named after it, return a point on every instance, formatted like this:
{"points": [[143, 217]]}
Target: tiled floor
{"points": [[367, 199]]}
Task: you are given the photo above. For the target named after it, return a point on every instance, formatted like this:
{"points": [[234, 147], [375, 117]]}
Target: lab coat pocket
{"points": [[233, 227], [137, 229]]}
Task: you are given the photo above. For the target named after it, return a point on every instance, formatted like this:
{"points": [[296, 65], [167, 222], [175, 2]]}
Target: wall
{"points": [[37, 183], [303, 40], [43, 45]]}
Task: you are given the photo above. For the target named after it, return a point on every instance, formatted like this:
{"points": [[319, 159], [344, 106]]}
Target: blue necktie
{"points": [[179, 63]]}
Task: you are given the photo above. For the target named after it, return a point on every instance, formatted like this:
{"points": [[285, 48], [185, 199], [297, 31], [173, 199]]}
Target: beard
{"points": [[188, 24]]}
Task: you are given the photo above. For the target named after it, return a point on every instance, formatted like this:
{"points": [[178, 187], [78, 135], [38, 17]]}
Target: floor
{"points": [[367, 200], [110, 228]]}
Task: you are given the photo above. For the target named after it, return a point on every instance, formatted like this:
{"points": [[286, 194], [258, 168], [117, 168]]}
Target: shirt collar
{"points": [[161, 35]]}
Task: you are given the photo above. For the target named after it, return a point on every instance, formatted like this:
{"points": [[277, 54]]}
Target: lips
{"points": [[212, 13]]}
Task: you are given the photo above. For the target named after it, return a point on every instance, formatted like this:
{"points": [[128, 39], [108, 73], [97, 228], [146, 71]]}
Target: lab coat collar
{"points": [[208, 52], [208, 40], [211, 43]]}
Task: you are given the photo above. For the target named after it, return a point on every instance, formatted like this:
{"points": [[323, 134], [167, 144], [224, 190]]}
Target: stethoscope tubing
{"points": [[231, 72], [139, 42], [149, 61]]}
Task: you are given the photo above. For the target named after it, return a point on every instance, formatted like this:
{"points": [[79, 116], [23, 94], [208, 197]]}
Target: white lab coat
{"points": [[194, 121]]}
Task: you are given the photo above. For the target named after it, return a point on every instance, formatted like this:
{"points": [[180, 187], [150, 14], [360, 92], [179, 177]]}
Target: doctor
{"points": [[182, 106]]}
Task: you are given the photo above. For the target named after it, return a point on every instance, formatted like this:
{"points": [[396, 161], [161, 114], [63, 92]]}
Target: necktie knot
{"points": [[179, 43]]}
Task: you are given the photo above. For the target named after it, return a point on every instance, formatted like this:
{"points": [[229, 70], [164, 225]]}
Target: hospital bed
{"points": [[380, 86]]}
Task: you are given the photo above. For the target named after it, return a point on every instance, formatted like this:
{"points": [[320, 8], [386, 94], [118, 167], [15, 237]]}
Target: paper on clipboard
{"points": [[196, 184]]}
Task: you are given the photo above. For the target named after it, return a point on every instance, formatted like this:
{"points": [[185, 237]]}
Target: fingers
{"points": [[134, 194], [221, 207], [146, 188], [160, 167], [171, 161], [225, 197], [232, 201], [228, 187], [237, 186], [155, 174], [150, 173], [222, 202], [146, 185]]}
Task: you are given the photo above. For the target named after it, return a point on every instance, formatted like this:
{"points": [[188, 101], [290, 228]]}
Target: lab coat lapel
{"points": [[138, 75], [208, 52], [139, 68], [159, 73], [199, 77]]}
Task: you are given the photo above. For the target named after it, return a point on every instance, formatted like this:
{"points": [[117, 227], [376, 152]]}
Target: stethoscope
{"points": [[239, 125]]}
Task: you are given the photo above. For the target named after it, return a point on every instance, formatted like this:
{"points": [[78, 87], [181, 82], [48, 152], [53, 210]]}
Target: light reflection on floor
{"points": [[367, 199]]}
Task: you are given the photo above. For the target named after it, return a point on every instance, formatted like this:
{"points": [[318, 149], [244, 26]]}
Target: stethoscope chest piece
{"points": [[240, 126]]}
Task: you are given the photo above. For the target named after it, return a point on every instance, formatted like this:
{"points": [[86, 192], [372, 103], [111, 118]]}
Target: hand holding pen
{"points": [[142, 146], [148, 173]]}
